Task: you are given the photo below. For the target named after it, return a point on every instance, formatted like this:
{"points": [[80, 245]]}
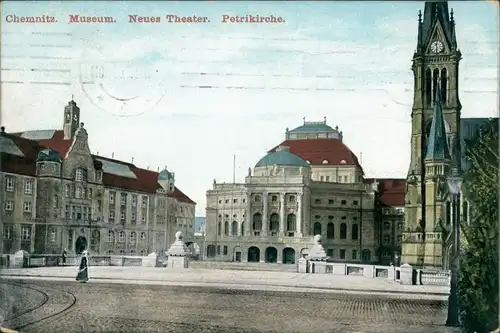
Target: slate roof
{"points": [[315, 151], [144, 180]]}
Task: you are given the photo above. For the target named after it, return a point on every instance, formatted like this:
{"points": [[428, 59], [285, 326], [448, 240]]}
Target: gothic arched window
{"points": [[257, 221], [330, 231], [444, 87], [435, 77], [317, 229], [428, 87]]}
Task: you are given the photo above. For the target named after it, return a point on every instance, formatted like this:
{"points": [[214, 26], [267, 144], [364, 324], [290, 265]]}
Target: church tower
{"points": [[435, 69], [71, 120]]}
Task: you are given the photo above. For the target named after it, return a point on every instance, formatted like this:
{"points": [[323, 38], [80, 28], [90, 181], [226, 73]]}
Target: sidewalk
{"points": [[223, 278]]}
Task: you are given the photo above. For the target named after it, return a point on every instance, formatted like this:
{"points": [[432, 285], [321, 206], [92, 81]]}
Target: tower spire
{"points": [[436, 11], [437, 147]]}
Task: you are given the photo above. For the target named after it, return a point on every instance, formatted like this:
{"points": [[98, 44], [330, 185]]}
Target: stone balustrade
{"points": [[46, 260], [392, 273]]}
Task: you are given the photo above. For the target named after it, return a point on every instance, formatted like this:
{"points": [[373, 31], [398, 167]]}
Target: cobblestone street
{"points": [[150, 308]]}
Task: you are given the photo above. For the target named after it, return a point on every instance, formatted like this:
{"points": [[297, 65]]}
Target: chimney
{"points": [[112, 155], [132, 160]]}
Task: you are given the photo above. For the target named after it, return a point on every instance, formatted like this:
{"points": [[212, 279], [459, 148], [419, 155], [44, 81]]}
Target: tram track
{"points": [[15, 322]]}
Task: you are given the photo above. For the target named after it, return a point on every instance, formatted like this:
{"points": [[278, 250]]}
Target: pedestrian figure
{"points": [[83, 271], [64, 256]]}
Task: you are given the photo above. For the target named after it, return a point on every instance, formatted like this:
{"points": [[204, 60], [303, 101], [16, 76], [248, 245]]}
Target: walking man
{"points": [[64, 256]]}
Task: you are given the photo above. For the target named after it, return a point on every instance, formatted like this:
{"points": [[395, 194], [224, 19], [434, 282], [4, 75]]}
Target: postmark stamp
{"points": [[122, 87]]}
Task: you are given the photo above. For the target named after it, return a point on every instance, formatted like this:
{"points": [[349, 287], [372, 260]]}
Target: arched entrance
{"points": [[211, 251], [288, 255], [80, 245], [271, 254], [253, 254], [194, 250], [237, 254]]}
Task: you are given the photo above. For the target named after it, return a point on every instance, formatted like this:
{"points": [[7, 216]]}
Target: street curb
{"points": [[381, 291]]}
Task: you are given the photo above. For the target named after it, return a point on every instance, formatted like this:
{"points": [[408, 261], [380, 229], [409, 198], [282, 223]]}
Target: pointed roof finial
{"points": [[324, 118], [304, 119], [419, 16], [451, 15], [72, 97], [437, 146], [166, 167]]}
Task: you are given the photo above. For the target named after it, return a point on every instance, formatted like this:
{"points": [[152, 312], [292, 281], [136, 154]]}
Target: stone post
{"points": [[248, 215], [177, 255], [264, 214], [282, 214], [406, 274], [299, 215]]}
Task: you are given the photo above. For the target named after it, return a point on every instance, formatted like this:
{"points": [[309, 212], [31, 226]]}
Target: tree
{"points": [[478, 276]]}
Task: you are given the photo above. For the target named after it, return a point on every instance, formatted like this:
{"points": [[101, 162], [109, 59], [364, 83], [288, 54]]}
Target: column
{"points": [[282, 213], [248, 214], [299, 214], [264, 214]]}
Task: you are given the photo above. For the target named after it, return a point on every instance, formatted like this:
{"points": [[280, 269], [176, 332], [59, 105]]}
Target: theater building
{"points": [[310, 184]]}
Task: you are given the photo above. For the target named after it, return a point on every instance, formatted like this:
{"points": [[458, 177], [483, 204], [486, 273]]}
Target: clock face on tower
{"points": [[437, 47]]}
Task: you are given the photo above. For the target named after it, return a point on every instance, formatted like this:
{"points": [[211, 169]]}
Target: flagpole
{"points": [[234, 169]]}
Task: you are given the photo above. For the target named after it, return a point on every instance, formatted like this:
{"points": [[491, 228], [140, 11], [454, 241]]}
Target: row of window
{"points": [[122, 236], [78, 192], [387, 226], [27, 206], [123, 199], [142, 253], [387, 239], [78, 212], [340, 179], [123, 216], [29, 185], [331, 202], [8, 233], [342, 254]]}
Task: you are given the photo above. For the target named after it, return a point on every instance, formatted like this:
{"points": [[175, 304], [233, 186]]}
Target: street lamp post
{"points": [[455, 184]]}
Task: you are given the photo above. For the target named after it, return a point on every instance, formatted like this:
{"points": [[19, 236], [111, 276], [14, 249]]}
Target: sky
{"points": [[199, 93]]}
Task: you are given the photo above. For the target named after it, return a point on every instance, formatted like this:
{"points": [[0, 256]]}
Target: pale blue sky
{"points": [[358, 53]]}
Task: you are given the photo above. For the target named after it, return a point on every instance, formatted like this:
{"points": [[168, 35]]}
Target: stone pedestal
{"points": [[18, 259], [302, 265], [317, 257], [177, 254], [406, 274]]}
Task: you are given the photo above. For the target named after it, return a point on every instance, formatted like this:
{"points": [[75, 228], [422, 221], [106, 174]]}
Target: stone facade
{"points": [[283, 203], [58, 195]]}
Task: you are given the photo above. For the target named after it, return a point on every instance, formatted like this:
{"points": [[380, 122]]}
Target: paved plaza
{"points": [[250, 280], [112, 307]]}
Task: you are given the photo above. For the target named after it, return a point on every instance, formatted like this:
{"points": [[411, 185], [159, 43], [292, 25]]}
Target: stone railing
{"points": [[392, 273], [47, 260], [433, 277]]}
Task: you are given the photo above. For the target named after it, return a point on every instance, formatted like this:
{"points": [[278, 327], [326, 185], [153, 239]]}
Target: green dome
{"points": [[165, 175], [313, 127], [282, 156], [48, 155]]}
